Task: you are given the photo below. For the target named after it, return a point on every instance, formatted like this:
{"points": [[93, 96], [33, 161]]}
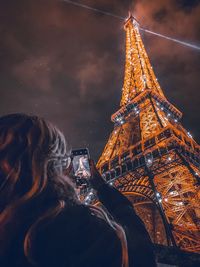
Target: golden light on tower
{"points": [[139, 75], [150, 156]]}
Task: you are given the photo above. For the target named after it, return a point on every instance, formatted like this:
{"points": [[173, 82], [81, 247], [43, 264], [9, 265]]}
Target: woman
{"points": [[42, 222]]}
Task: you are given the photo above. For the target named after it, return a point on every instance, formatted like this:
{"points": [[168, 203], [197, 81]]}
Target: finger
{"points": [[69, 169]]}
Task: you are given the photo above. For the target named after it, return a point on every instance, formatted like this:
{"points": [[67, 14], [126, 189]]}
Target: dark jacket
{"points": [[78, 238]]}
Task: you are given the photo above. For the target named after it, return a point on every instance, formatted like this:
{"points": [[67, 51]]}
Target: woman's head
{"points": [[32, 151], [32, 154]]}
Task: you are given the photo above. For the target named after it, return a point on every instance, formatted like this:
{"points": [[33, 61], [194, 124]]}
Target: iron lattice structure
{"points": [[150, 157]]}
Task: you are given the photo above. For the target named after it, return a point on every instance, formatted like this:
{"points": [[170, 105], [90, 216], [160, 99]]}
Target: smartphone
{"points": [[80, 162]]}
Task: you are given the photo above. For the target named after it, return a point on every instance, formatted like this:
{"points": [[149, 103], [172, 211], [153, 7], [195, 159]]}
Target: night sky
{"points": [[66, 63]]}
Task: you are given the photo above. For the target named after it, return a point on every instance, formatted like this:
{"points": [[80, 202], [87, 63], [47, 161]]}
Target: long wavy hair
{"points": [[32, 154]]}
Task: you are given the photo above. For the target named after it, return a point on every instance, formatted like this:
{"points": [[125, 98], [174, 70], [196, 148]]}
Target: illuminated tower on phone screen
{"points": [[150, 156]]}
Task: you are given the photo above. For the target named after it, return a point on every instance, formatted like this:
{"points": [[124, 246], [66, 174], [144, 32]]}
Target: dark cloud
{"points": [[66, 63]]}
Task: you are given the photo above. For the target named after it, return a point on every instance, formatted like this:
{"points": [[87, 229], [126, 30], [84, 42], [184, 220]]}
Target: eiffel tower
{"points": [[150, 157]]}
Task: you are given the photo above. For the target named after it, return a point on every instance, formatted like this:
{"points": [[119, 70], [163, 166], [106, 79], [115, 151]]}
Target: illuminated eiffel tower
{"points": [[150, 157]]}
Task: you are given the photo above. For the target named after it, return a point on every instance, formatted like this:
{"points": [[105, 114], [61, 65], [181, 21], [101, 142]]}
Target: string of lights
{"points": [[193, 46]]}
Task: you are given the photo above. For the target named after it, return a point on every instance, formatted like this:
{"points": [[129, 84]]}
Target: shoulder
{"points": [[76, 233]]}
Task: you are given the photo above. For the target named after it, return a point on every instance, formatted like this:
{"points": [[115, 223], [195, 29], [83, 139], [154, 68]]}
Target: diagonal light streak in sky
{"points": [[142, 29]]}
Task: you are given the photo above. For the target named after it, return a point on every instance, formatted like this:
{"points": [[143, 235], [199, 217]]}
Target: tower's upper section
{"points": [[139, 75]]}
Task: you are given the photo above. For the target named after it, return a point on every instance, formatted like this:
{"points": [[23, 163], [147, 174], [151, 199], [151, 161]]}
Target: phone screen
{"points": [[81, 163]]}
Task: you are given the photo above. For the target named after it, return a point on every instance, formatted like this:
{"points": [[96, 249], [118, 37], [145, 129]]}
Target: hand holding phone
{"points": [[85, 171]]}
